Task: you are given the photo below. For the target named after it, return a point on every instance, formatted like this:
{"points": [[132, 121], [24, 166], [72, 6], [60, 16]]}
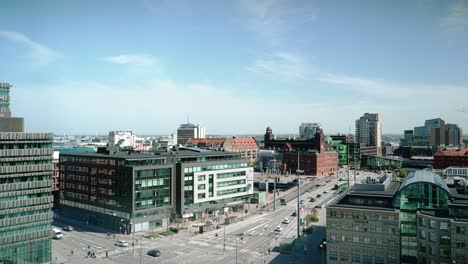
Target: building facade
{"points": [[188, 131], [124, 192], [312, 162], [435, 132], [420, 220], [210, 182], [369, 132], [25, 189], [445, 158], [124, 139]]}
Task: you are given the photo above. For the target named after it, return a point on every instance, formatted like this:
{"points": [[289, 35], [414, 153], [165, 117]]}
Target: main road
{"points": [[246, 241]]}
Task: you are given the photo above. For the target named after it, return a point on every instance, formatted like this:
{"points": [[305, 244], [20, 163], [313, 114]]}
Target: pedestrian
{"points": [[71, 253], [114, 236], [107, 254], [269, 251]]}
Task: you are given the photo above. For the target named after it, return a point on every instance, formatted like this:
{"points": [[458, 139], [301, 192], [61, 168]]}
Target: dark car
{"points": [[68, 228], [154, 253], [293, 214], [312, 200], [319, 195]]}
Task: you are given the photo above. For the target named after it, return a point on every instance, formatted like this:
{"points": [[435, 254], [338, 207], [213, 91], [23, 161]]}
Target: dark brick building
{"points": [[315, 156], [444, 158]]}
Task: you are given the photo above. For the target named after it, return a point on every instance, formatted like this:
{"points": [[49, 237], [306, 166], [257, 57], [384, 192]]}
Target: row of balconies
{"points": [[25, 136], [25, 185], [26, 202], [26, 168], [26, 152], [24, 209], [34, 220], [26, 219], [25, 237]]}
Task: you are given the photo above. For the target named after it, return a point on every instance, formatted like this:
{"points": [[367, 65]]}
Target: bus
{"points": [[341, 185], [56, 233]]}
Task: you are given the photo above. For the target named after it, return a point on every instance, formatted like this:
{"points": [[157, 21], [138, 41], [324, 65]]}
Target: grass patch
{"points": [[167, 233], [312, 218]]}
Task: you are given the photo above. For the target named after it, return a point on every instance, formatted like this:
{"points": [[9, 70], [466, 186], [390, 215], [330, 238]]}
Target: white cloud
{"points": [[457, 17], [280, 65], [272, 19], [36, 52], [131, 59]]}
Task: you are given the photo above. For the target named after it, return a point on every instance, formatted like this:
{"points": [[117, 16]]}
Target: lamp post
{"points": [[237, 237], [323, 246], [133, 237]]}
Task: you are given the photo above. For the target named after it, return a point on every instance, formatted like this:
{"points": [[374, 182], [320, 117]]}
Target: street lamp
{"points": [[323, 246], [237, 236], [133, 237]]}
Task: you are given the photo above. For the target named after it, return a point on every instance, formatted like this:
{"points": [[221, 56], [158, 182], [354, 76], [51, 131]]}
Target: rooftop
{"points": [[452, 152], [120, 155]]}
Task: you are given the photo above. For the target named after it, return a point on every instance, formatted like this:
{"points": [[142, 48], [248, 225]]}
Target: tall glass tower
{"points": [[25, 190]]}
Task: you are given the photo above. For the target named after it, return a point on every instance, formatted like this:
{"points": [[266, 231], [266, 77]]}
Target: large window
{"points": [[230, 174], [230, 183], [231, 191]]}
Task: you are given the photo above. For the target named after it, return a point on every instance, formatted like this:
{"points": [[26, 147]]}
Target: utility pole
{"points": [[298, 172], [347, 157]]}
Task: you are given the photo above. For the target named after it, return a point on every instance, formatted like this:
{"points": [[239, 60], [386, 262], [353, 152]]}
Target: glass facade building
{"points": [[421, 220], [124, 192], [25, 197]]}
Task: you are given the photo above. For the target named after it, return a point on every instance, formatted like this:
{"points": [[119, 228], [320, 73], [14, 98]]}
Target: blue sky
{"points": [[233, 66]]}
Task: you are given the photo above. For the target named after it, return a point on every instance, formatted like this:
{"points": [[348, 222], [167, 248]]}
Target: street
{"points": [[248, 240]]}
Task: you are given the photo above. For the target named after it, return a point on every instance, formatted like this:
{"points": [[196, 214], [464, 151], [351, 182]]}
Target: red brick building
{"points": [[444, 158], [320, 161], [248, 147]]}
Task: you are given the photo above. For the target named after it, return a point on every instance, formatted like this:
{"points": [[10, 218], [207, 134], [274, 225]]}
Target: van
{"points": [[57, 234]]}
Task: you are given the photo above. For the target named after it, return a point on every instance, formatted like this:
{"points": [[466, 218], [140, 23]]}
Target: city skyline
{"points": [[145, 65]]}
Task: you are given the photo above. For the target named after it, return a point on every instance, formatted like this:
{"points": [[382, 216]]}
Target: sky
{"points": [[235, 67]]}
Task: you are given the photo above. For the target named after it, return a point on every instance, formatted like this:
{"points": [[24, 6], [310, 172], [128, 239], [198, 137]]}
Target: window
{"points": [[379, 260], [333, 255], [356, 239], [343, 238], [392, 260], [422, 234], [188, 188], [444, 226], [201, 177], [344, 256], [431, 236], [432, 224], [355, 259], [366, 240], [201, 195], [366, 259], [201, 187], [460, 244]]}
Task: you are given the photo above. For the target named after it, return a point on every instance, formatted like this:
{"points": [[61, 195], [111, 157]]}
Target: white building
{"points": [[369, 132], [189, 130], [123, 138]]}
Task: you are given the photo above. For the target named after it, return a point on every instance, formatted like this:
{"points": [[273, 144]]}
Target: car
{"points": [[68, 228], [286, 221], [154, 253], [312, 200], [279, 228], [121, 243], [302, 202], [294, 213], [326, 191], [319, 195]]}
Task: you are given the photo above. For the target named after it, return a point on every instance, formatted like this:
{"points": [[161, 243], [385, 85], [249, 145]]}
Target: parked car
{"points": [[319, 195], [294, 213], [302, 202], [154, 253], [279, 228], [68, 228], [326, 191], [312, 200], [286, 221], [121, 243]]}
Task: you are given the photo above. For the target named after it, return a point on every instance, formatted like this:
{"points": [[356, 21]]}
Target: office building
{"points": [[209, 182], [123, 139], [248, 147], [188, 131], [434, 133], [121, 191], [445, 158], [369, 132], [307, 130], [274, 143], [420, 220], [25, 190]]}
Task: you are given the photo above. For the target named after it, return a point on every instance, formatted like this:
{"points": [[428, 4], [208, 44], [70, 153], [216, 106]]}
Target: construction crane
{"points": [[463, 110]]}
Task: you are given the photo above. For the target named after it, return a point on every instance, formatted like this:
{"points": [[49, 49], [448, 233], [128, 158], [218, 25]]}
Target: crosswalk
{"points": [[251, 252]]}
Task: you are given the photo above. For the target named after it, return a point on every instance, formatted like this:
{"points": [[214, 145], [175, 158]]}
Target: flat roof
{"points": [[391, 190], [121, 155]]}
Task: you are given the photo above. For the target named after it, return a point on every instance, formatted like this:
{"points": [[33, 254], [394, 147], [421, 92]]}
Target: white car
{"points": [[279, 228], [286, 221], [121, 243]]}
